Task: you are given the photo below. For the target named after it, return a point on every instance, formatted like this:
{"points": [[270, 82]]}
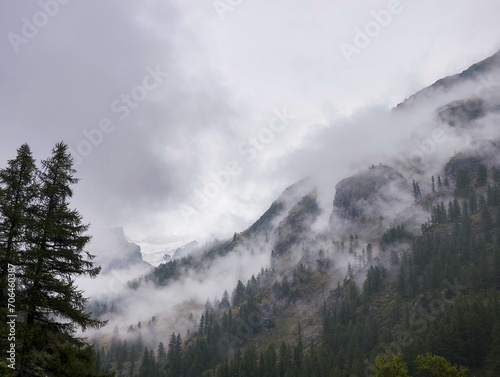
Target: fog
{"points": [[227, 111], [217, 82], [415, 141]]}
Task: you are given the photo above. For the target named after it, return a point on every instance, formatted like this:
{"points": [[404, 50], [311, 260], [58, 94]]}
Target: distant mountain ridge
{"points": [[474, 72], [113, 251]]}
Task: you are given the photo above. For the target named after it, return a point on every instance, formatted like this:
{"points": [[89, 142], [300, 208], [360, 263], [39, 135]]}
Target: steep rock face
{"points": [[288, 220], [280, 208], [462, 113], [481, 152], [114, 252], [296, 224], [461, 161], [353, 193], [185, 250]]}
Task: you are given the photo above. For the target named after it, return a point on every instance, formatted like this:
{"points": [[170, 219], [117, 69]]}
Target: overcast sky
{"points": [[185, 90]]}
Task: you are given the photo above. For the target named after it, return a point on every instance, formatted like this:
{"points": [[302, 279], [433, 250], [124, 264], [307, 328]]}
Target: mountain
{"points": [[185, 250], [482, 75], [407, 262], [352, 194], [114, 252], [158, 251]]}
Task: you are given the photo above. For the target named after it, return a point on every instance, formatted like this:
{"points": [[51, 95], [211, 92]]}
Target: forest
{"points": [[432, 311]]}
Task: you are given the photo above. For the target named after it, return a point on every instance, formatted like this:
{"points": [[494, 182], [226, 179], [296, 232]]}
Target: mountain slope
{"points": [[380, 277], [479, 73]]}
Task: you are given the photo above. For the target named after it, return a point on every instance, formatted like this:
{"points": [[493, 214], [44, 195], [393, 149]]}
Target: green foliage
{"points": [[239, 294], [373, 280], [462, 184], [18, 190], [5, 371], [398, 233], [442, 298], [430, 365], [389, 366], [46, 240]]}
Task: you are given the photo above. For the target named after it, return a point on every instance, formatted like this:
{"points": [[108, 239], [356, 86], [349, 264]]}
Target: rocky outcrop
{"points": [[296, 224], [114, 252], [353, 193], [481, 152], [462, 113], [281, 207]]}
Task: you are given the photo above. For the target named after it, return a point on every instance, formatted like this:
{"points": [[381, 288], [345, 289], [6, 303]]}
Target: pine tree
{"points": [[249, 361], [146, 364], [486, 223], [482, 175], [496, 267], [298, 349], [53, 306], [495, 174], [451, 215], [369, 252], [417, 195], [18, 189], [161, 355], [224, 303], [462, 183], [238, 293], [456, 209], [495, 349], [472, 203], [433, 185]]}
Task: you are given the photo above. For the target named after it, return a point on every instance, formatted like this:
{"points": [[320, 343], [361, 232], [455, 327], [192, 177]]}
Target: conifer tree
{"points": [[496, 267], [417, 195], [161, 355], [486, 223], [472, 203], [369, 252], [52, 306], [238, 293], [18, 189], [298, 349], [482, 175], [462, 183]]}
